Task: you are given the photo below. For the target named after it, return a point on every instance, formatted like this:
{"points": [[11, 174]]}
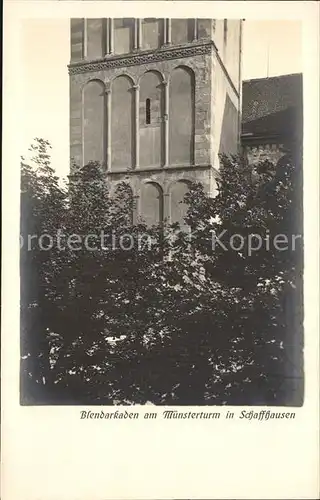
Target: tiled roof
{"points": [[271, 105]]}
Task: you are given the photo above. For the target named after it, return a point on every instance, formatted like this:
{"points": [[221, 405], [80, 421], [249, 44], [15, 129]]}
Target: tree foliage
{"points": [[168, 318]]}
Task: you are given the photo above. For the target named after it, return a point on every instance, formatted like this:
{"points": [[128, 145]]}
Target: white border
{"points": [[49, 453]]}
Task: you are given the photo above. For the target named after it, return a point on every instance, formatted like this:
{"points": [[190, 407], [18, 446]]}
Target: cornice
{"points": [[164, 53]]}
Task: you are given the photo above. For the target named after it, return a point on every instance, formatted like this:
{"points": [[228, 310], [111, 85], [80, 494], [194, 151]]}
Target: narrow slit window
{"points": [[148, 111]]}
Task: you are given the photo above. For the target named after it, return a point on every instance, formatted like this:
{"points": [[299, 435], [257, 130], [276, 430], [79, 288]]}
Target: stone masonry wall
{"points": [[262, 152], [195, 100]]}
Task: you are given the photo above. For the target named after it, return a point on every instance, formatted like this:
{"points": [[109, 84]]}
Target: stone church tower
{"points": [[156, 101]]}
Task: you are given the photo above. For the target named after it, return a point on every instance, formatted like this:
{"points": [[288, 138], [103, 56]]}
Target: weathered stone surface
{"points": [[189, 117]]}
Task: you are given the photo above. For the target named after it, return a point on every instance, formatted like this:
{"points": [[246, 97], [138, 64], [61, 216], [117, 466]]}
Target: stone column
{"points": [[110, 38], [136, 125], [166, 124], [108, 127]]}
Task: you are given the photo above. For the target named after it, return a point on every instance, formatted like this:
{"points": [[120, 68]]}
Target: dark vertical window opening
{"points": [[148, 111]]}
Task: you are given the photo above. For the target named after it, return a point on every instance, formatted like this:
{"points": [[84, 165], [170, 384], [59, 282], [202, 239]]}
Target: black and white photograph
{"points": [[165, 266]]}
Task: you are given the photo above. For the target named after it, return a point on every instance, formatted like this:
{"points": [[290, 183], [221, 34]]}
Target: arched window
{"points": [[93, 121], [204, 28], [123, 35], [182, 30], [124, 202], [152, 33], [151, 203], [148, 111], [122, 111]]}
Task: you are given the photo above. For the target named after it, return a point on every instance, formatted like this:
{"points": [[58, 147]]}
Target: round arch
{"points": [[186, 180], [151, 202]]}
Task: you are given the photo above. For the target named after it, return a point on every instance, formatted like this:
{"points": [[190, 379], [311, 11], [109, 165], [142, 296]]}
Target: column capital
{"points": [[136, 86]]}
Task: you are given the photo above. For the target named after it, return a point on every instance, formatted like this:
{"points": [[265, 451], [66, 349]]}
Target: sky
{"points": [[270, 48]]}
